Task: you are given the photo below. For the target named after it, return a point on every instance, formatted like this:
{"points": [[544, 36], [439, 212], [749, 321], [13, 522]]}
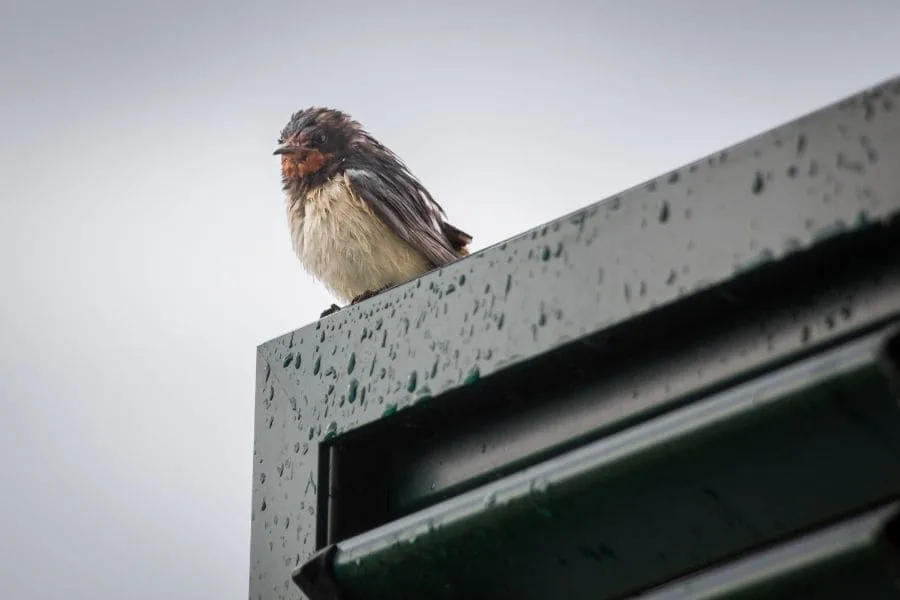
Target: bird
{"points": [[360, 221]]}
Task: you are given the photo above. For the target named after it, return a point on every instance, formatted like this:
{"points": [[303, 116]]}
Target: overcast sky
{"points": [[144, 250]]}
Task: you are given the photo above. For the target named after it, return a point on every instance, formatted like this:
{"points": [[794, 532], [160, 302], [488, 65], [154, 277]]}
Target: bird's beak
{"points": [[288, 149]]}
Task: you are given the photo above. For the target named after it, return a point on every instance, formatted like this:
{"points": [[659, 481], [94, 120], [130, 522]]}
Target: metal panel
{"points": [[722, 475], [857, 558], [759, 202]]}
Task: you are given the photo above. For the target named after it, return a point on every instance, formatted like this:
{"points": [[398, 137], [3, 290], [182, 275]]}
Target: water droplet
{"points": [[352, 390], [351, 363], [263, 506], [490, 500], [262, 477], [759, 183], [850, 165], [389, 410], [545, 253], [296, 447], [805, 334], [462, 280], [331, 430], [288, 359], [664, 212], [473, 375], [317, 365], [412, 381]]}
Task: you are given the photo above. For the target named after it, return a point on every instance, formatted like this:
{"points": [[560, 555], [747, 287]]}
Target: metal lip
{"points": [[750, 397], [850, 535]]}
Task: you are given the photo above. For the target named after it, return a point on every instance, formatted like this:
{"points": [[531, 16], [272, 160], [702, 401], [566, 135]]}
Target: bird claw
{"points": [[330, 310], [364, 296], [368, 294]]}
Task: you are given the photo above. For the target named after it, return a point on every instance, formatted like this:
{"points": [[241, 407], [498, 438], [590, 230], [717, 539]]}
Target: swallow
{"points": [[360, 222]]}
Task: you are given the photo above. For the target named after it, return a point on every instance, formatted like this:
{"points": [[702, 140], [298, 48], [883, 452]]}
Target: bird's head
{"points": [[313, 144]]}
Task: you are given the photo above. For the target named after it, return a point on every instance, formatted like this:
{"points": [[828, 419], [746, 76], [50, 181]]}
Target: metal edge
{"points": [[315, 576], [802, 553], [766, 391]]}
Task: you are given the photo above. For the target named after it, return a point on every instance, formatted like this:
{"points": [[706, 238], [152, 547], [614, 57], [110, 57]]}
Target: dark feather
{"points": [[458, 238], [404, 206]]}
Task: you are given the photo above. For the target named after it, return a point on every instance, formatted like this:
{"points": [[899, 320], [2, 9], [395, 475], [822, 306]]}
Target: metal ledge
{"points": [[715, 478], [857, 558]]}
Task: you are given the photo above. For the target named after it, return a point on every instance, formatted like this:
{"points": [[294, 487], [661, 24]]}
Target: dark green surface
{"points": [[854, 559], [723, 475]]}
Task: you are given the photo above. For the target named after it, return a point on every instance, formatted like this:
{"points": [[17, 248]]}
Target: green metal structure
{"points": [[689, 390]]}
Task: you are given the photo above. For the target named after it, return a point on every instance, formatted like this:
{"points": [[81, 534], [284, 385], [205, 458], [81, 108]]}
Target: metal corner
{"points": [[314, 577]]}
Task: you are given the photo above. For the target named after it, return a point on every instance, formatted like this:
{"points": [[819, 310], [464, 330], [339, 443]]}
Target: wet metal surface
{"points": [[734, 471], [756, 203]]}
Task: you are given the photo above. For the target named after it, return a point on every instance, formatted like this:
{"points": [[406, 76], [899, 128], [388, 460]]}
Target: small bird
{"points": [[360, 221]]}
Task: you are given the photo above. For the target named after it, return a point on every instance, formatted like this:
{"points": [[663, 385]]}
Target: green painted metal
{"points": [[858, 557], [725, 474]]}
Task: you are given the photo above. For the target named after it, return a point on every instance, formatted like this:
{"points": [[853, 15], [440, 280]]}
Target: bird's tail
{"points": [[458, 238]]}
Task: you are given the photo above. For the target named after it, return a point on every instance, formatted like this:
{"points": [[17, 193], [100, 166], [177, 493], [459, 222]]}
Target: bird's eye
{"points": [[322, 138]]}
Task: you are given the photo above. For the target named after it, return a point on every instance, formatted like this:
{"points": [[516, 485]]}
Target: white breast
{"points": [[344, 245]]}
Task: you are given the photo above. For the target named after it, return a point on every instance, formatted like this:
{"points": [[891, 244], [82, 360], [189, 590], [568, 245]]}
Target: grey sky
{"points": [[143, 246]]}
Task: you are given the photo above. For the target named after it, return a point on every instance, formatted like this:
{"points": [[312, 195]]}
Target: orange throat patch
{"points": [[292, 167]]}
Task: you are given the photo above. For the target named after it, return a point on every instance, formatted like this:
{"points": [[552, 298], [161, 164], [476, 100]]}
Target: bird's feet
{"points": [[364, 296], [330, 310], [368, 294]]}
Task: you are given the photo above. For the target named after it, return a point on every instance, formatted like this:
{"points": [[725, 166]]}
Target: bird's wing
{"points": [[407, 208]]}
